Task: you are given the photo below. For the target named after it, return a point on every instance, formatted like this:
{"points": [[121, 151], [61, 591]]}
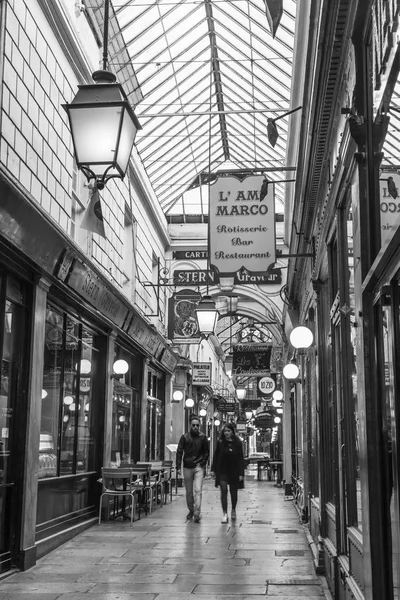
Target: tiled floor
{"points": [[263, 555]]}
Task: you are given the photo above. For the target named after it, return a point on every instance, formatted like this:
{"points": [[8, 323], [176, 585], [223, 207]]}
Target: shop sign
{"points": [[190, 254], [251, 360], [243, 277], [241, 226], [389, 185], [144, 336], [168, 360], [186, 277], [84, 281], [65, 265], [182, 322], [266, 385], [201, 374]]}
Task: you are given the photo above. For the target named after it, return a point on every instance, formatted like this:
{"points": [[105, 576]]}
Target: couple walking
{"points": [[227, 466]]}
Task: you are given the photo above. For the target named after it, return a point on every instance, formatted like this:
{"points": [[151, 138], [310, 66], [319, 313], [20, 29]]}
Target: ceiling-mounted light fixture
{"points": [[103, 124], [207, 316], [301, 337]]}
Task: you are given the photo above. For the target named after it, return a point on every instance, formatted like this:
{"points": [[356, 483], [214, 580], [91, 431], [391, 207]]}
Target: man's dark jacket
{"points": [[195, 451]]}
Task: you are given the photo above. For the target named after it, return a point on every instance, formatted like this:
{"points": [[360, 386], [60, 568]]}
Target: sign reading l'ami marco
{"points": [[242, 226]]}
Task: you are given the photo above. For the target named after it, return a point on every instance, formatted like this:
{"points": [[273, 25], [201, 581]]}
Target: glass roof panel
{"points": [[211, 75]]}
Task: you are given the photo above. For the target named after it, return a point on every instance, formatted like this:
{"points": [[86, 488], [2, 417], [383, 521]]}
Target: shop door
{"points": [[13, 344], [388, 316]]}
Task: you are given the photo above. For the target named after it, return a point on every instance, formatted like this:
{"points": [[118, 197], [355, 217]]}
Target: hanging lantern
{"points": [[207, 316]]}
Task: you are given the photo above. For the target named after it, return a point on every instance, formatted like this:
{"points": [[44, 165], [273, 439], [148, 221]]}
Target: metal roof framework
{"points": [[210, 75]]}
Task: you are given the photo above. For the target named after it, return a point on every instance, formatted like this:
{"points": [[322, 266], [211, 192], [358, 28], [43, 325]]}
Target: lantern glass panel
{"points": [[95, 133]]}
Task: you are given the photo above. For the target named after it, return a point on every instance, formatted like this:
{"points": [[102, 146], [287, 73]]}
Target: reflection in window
{"points": [[67, 419], [354, 383]]}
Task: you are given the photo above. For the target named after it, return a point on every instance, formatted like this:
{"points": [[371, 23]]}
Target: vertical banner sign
{"points": [[182, 322], [389, 186], [251, 360], [241, 226]]}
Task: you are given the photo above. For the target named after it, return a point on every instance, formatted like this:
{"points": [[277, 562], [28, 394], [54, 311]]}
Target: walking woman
{"points": [[228, 466]]}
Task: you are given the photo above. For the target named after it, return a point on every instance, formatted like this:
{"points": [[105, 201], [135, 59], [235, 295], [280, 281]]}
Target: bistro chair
{"points": [[117, 483], [153, 485], [167, 479]]}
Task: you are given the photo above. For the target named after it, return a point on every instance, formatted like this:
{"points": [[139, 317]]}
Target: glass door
{"points": [[13, 344]]}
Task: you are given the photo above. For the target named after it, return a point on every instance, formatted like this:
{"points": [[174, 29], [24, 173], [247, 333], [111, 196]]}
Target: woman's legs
{"points": [[234, 495], [223, 484]]}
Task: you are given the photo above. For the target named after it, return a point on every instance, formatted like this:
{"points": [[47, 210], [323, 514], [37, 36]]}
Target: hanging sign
{"points": [[182, 322], [389, 186], [251, 359], [201, 374], [241, 226], [266, 385]]}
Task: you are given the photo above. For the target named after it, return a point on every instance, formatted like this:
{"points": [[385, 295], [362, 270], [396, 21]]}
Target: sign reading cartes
{"points": [[201, 374], [241, 227], [251, 359]]}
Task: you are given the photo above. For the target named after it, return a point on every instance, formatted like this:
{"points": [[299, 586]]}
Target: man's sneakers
{"points": [[233, 515], [196, 518], [224, 518], [189, 516]]}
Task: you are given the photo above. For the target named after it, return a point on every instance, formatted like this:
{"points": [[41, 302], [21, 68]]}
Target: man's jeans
{"points": [[194, 487]]}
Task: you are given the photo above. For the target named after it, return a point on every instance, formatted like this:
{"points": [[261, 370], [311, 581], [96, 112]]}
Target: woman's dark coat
{"points": [[238, 464]]}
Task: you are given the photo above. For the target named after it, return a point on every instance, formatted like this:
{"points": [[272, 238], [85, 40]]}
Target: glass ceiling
{"points": [[210, 75]]}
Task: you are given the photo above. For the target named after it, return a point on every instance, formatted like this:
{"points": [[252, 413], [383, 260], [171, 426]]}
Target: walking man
{"points": [[194, 448]]}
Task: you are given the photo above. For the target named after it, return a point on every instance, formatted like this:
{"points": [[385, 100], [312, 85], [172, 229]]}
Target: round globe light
{"points": [[44, 394], [301, 337], [276, 403], [86, 366], [277, 395], [120, 367], [68, 400], [217, 422], [277, 419], [177, 395], [202, 412], [189, 402], [291, 371]]}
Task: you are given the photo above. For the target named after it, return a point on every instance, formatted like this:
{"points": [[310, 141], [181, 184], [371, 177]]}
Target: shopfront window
{"points": [[155, 415], [70, 381]]}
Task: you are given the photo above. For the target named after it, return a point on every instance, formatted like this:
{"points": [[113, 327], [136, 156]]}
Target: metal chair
{"points": [[117, 483], [167, 479]]}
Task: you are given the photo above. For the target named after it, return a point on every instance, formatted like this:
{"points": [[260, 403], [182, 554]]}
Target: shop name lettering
{"points": [[241, 210], [106, 303]]}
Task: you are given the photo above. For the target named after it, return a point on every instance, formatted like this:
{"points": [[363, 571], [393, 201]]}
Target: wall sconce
{"points": [[291, 371], [217, 422], [103, 124], [202, 412], [301, 337], [207, 316], [189, 403], [241, 393], [44, 394], [120, 368]]}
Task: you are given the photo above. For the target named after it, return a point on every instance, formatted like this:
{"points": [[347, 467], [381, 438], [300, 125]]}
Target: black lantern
{"points": [[207, 316], [103, 127], [103, 124]]}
